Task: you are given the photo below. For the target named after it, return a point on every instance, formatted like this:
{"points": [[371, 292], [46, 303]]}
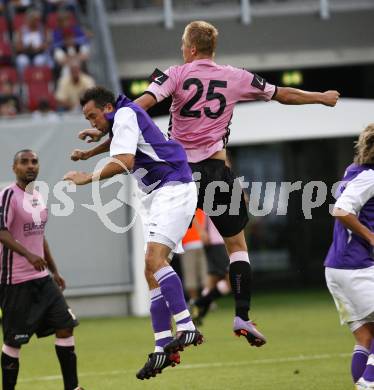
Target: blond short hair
{"points": [[364, 147], [202, 35]]}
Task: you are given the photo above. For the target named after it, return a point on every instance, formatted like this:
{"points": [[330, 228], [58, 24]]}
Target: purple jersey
{"points": [[158, 160], [204, 96], [24, 215], [355, 196]]}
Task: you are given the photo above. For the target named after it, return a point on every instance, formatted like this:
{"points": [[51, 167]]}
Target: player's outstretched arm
{"points": [[52, 265], [8, 241], [146, 101], [351, 222], [79, 154], [90, 135], [286, 95], [122, 163]]}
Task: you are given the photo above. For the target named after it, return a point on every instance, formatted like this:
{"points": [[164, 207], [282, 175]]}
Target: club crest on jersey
{"points": [[158, 77], [258, 82], [35, 203]]}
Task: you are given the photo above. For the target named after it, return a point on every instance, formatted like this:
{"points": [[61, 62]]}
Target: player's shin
{"points": [[161, 320], [9, 366], [172, 290], [368, 374], [65, 350], [241, 280], [359, 359]]}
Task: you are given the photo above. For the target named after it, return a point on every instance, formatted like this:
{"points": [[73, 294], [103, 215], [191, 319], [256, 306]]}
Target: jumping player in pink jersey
{"points": [[204, 95], [31, 300]]}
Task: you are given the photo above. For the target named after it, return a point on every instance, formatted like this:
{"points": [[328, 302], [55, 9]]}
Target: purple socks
{"points": [[161, 320], [172, 291], [359, 359], [368, 374]]}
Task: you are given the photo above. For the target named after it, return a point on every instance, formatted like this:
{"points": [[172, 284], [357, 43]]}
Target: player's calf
{"points": [[9, 366]]}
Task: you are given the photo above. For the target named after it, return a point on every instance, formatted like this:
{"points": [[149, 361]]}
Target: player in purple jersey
{"points": [[204, 95], [350, 261], [31, 300], [169, 197]]}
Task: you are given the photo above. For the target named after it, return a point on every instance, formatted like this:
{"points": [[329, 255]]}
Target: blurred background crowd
{"points": [[44, 49]]}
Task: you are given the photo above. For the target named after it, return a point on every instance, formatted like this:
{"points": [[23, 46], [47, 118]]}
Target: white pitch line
{"points": [[299, 358]]}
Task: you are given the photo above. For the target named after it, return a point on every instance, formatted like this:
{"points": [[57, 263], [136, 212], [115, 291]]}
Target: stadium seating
{"points": [[8, 73], [34, 84], [18, 21], [4, 34], [52, 20], [38, 86], [5, 53]]}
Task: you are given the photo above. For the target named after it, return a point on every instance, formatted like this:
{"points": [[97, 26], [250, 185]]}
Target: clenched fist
{"points": [[78, 154], [330, 98]]}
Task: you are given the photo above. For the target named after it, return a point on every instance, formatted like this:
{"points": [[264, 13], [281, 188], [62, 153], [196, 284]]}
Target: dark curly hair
{"points": [[100, 95]]}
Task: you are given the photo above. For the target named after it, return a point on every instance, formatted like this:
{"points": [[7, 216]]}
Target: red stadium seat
{"points": [[8, 73], [52, 20], [4, 34], [38, 86], [37, 74], [5, 53], [37, 93], [18, 21]]}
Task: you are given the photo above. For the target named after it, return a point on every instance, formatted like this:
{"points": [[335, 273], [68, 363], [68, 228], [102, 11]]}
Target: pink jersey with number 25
{"points": [[204, 95]]}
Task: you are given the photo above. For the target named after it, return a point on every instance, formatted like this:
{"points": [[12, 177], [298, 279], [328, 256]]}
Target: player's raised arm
{"points": [[79, 154], [90, 135], [146, 101], [120, 164], [287, 95]]}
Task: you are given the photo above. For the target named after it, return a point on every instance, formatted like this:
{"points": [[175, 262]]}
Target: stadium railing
{"points": [[103, 64], [170, 11]]}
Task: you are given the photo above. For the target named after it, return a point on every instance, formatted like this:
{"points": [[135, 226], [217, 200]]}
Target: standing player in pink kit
{"points": [[31, 300], [204, 95]]}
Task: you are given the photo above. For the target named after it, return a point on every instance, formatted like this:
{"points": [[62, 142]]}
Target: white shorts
{"points": [[167, 213], [353, 293]]}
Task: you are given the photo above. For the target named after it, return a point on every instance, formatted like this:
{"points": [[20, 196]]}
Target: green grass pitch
{"points": [[307, 349]]}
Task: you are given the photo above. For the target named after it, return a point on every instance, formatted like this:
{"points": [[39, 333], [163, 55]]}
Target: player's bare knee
{"points": [[64, 333], [153, 263], [364, 336], [371, 329], [236, 243]]}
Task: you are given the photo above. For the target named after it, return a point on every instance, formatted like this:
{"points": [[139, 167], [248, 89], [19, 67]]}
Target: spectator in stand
{"points": [[31, 43], [71, 86], [56, 5], [69, 41], [9, 102], [45, 112], [21, 6]]}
